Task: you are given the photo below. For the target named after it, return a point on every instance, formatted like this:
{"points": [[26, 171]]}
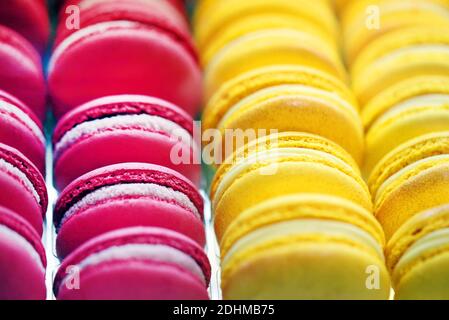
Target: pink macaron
{"points": [[135, 264], [149, 54], [21, 71], [125, 128], [97, 11], [22, 259], [127, 195], [22, 187], [20, 129], [29, 18]]}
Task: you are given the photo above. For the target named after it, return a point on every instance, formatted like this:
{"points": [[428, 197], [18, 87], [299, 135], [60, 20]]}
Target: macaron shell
{"points": [[424, 188], [289, 109], [29, 18], [427, 281], [147, 12], [304, 271], [135, 280], [268, 48], [301, 207], [17, 198], [15, 132], [417, 227], [399, 66], [412, 123], [120, 146], [21, 74], [406, 154], [21, 275], [126, 212], [261, 21], [250, 82], [402, 91], [140, 50], [290, 177]]}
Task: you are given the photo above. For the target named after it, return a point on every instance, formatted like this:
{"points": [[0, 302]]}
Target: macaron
{"points": [[21, 74], [20, 129], [363, 21], [245, 101], [418, 256], [124, 128], [29, 18], [214, 16], [23, 187], [151, 57], [403, 91], [127, 195], [398, 65], [22, 259], [136, 264], [407, 120], [304, 246], [267, 48], [96, 11], [260, 176], [226, 21], [411, 179]]}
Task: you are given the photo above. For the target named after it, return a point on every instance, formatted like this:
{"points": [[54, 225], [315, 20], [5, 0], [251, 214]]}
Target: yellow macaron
{"points": [[365, 20], [267, 48], [401, 92], [412, 188], [281, 171], [398, 65], [418, 256], [261, 21], [304, 246], [212, 18], [299, 108], [404, 122], [415, 150]]}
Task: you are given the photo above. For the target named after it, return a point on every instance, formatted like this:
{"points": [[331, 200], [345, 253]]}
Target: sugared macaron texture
{"points": [[125, 128], [306, 246], [136, 264], [127, 195], [23, 187], [22, 259], [20, 128], [21, 72], [148, 55]]}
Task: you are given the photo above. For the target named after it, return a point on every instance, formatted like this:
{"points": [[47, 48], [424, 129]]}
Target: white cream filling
{"points": [[21, 241], [9, 108], [303, 227], [309, 93], [145, 121], [159, 253], [85, 32], [395, 176], [6, 166], [132, 189]]}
